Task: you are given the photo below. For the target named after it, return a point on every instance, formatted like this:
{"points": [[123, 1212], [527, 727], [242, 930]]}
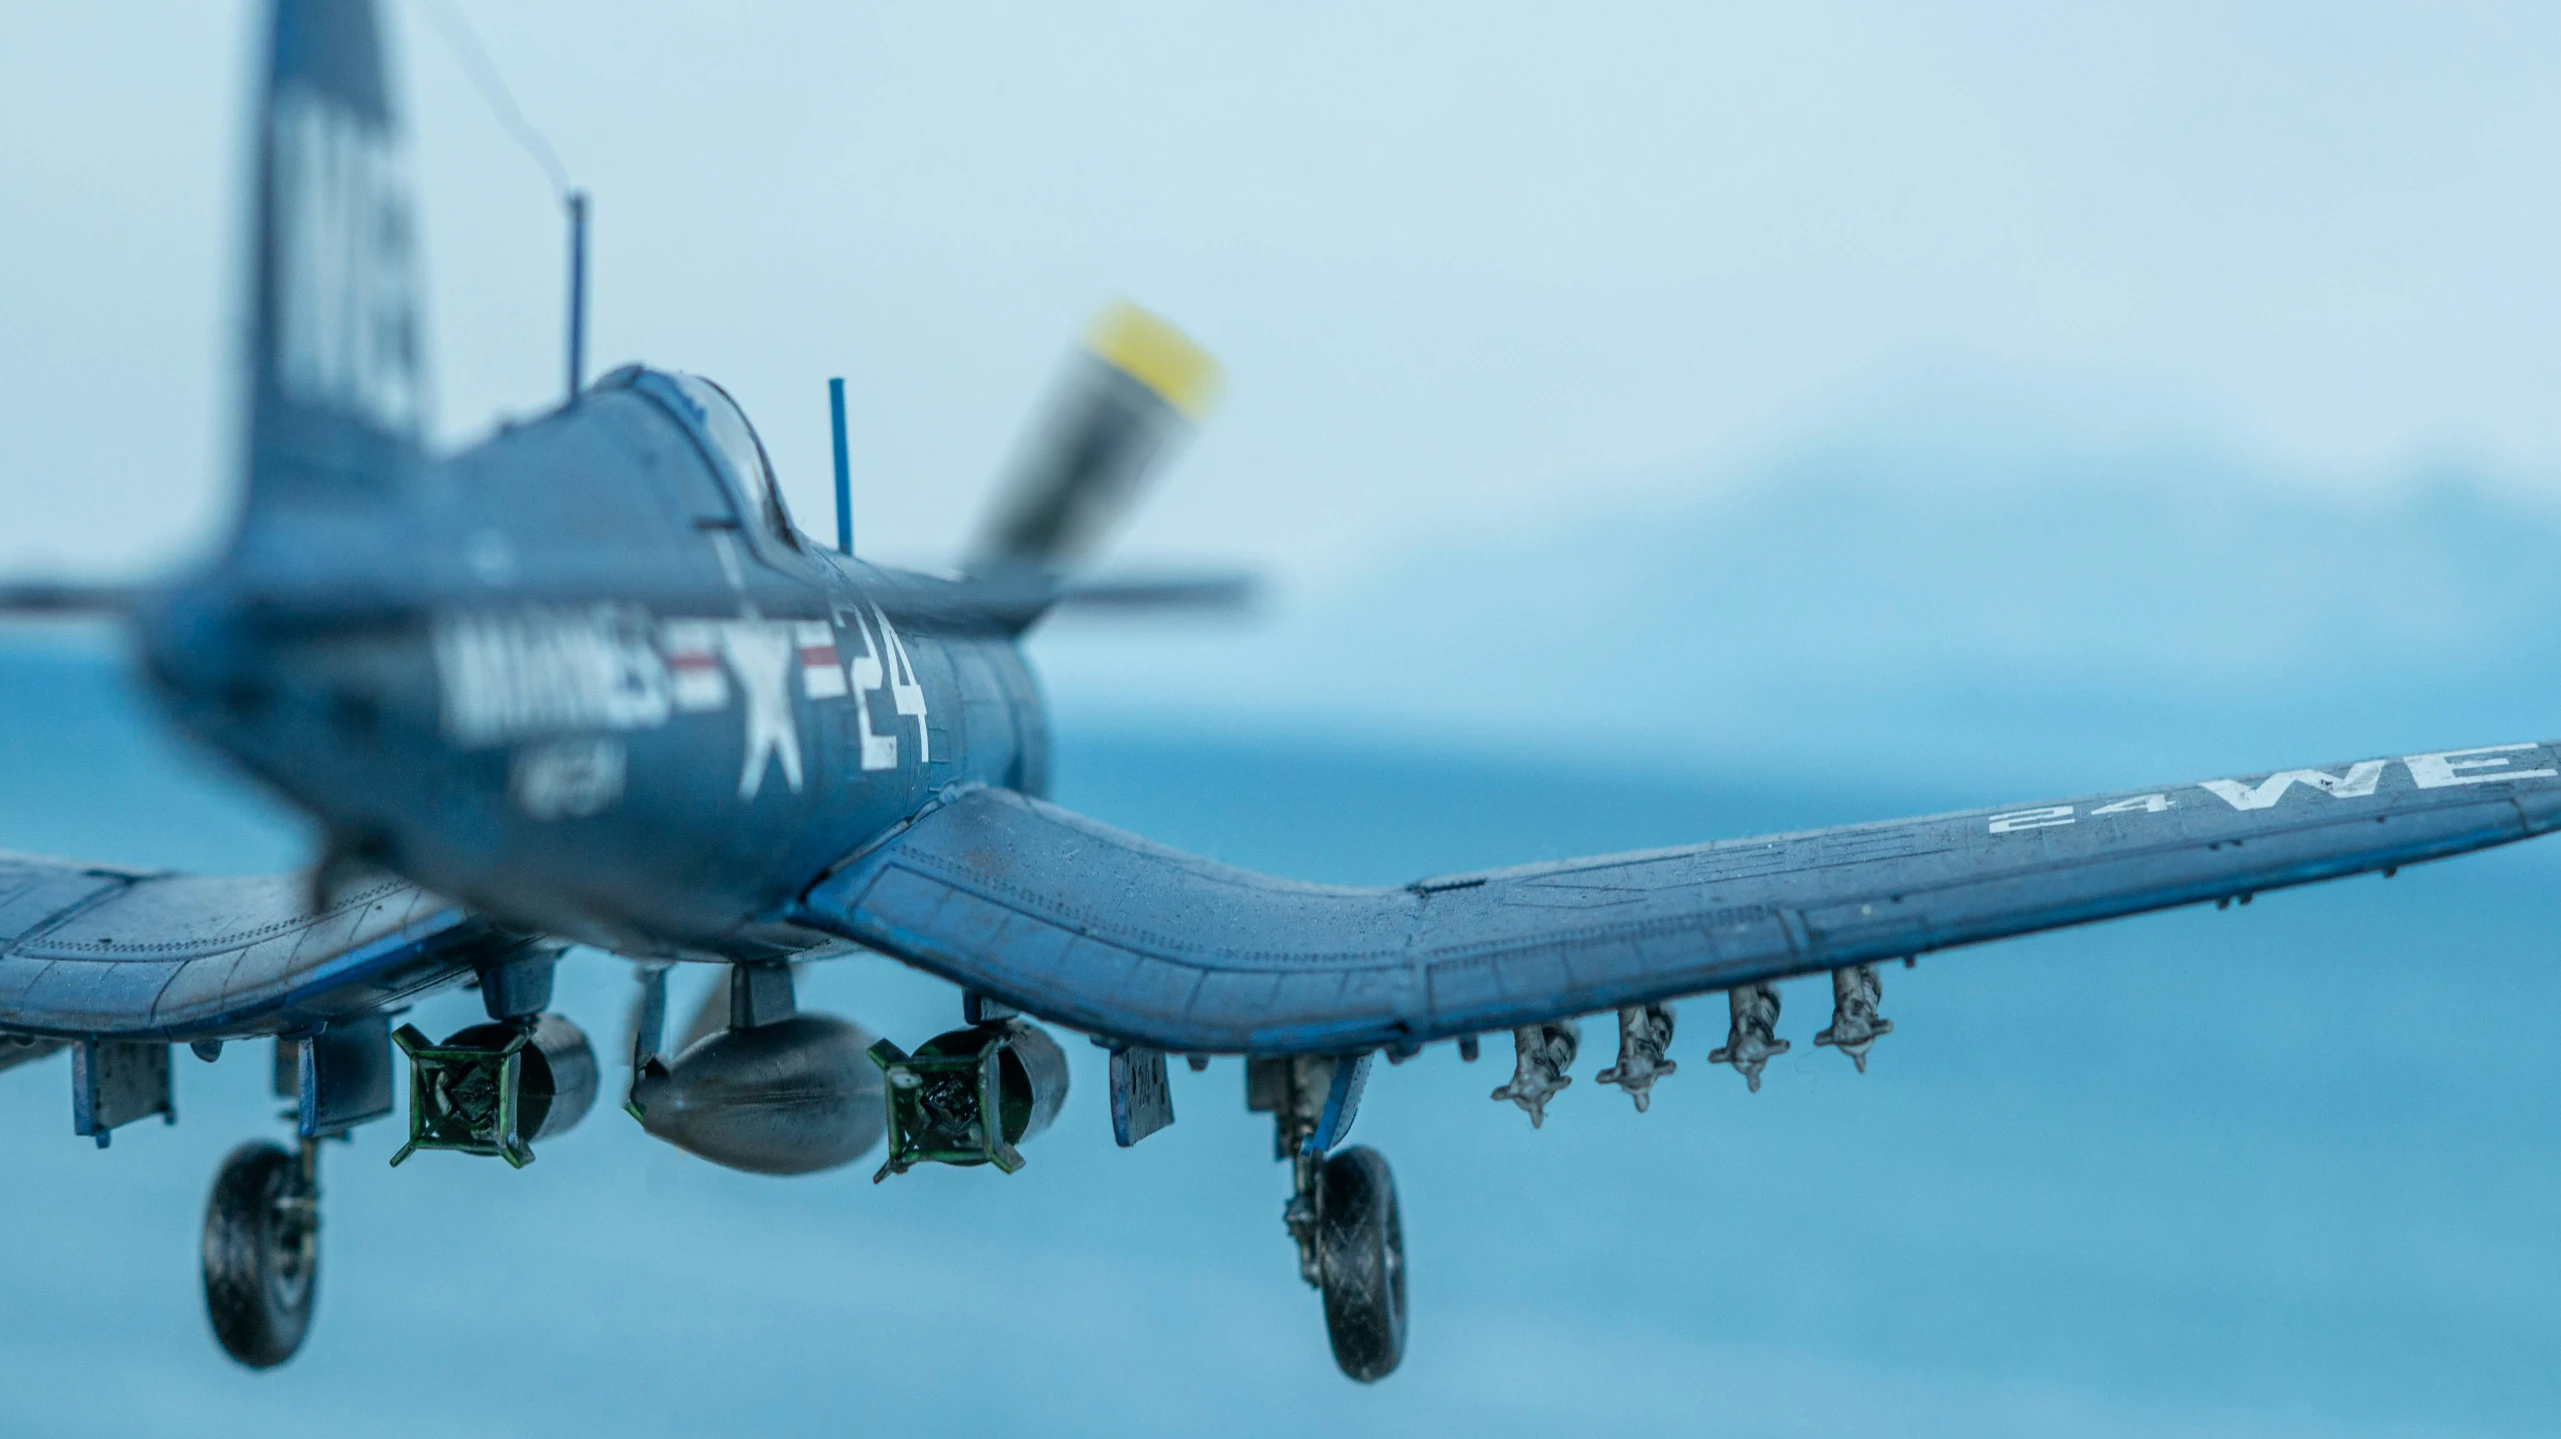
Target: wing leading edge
{"points": [[1072, 920]]}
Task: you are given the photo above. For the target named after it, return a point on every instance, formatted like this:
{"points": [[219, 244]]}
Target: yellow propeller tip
{"points": [[1156, 355]]}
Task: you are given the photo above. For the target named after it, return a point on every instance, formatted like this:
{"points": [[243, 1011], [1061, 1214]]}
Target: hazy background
{"points": [[1659, 423], [1474, 266]]}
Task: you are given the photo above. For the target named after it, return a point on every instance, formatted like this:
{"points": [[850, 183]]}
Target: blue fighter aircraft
{"points": [[586, 684]]}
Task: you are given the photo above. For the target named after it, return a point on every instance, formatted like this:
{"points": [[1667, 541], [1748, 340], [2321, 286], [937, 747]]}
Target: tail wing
{"points": [[337, 362]]}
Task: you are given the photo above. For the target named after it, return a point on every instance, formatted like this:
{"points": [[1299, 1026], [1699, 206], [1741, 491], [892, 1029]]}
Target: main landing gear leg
{"points": [[1342, 1213], [262, 1221], [262, 1250]]}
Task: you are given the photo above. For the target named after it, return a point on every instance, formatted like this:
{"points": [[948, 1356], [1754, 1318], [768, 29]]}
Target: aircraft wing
{"points": [[1077, 922], [99, 953]]}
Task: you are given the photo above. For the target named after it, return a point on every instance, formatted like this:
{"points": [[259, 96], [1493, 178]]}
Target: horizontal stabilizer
{"points": [[66, 598]]}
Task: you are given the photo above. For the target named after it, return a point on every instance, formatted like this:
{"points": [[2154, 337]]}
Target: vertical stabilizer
{"points": [[337, 356]]}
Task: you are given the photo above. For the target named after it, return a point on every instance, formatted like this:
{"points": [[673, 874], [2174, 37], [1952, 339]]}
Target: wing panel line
{"points": [[1071, 920]]}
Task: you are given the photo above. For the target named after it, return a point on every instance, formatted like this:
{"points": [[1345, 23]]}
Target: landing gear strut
{"points": [[1342, 1211], [262, 1251]]}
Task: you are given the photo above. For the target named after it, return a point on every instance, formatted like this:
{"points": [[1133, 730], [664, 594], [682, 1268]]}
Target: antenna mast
{"points": [[577, 294], [456, 31], [844, 471]]}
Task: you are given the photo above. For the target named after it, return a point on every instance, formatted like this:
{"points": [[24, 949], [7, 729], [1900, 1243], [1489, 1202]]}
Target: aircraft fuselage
{"points": [[586, 677]]}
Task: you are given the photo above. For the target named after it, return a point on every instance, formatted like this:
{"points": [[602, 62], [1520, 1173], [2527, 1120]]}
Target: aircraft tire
{"points": [[261, 1256], [1360, 1245]]}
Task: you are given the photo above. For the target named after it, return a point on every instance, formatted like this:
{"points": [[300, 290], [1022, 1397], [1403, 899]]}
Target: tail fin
{"points": [[337, 356]]}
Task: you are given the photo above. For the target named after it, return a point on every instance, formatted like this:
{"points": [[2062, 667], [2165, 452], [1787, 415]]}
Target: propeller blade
{"points": [[647, 1025], [711, 1016], [1138, 386], [1118, 594]]}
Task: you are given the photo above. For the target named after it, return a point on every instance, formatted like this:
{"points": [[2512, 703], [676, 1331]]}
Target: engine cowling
{"points": [[792, 1097]]}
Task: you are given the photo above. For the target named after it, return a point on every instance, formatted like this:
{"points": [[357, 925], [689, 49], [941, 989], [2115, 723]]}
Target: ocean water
{"points": [[2283, 1169]]}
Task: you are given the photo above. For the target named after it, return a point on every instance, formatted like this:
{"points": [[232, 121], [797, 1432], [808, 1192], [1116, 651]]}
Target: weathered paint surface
{"points": [[586, 680], [1064, 917], [113, 953]]}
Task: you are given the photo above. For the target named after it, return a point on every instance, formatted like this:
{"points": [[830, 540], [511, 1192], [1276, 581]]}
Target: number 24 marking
{"points": [[2051, 815]]}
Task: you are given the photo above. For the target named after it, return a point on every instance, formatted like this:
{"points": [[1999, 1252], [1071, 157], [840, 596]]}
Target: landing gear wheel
{"points": [[262, 1252], [1360, 1250]]}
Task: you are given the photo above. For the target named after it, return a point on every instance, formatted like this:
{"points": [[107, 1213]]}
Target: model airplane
{"points": [[586, 683]]}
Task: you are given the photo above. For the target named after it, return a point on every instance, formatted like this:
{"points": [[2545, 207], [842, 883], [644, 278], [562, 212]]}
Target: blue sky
{"points": [[1472, 266], [1713, 419]]}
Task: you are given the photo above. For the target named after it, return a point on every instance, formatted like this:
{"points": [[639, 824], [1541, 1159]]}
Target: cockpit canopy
{"points": [[721, 427]]}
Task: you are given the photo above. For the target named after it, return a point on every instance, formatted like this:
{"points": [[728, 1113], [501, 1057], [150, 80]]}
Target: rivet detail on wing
{"points": [[105, 953], [1074, 921]]}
